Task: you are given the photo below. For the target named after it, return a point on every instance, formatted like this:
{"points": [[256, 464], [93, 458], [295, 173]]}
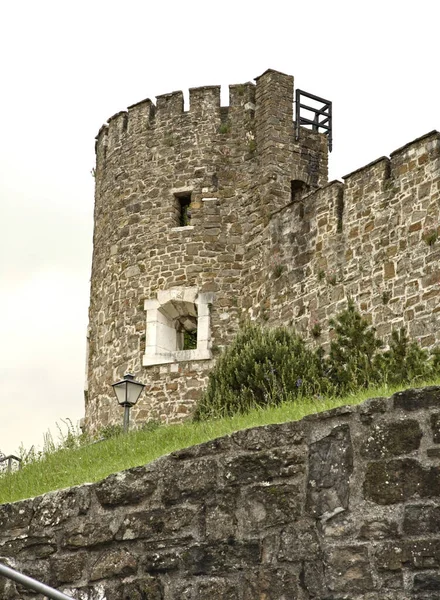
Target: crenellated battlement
{"points": [[372, 237], [251, 120]]}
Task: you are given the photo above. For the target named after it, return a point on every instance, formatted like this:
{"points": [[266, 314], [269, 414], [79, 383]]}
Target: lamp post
{"points": [[127, 393]]}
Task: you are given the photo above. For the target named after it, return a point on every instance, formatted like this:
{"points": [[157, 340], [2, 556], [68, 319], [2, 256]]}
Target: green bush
{"points": [[266, 366], [262, 366], [405, 361], [352, 352]]}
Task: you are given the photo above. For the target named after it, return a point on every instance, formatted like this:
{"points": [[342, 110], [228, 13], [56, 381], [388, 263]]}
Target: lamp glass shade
{"points": [[128, 391]]}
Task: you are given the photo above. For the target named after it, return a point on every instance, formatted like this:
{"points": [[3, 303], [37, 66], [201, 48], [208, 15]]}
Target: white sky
{"points": [[66, 67]]}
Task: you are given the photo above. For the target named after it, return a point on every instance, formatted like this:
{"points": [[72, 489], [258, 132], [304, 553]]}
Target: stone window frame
{"points": [[163, 315]]}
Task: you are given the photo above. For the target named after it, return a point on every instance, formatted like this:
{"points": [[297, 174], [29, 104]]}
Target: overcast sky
{"points": [[66, 67]]}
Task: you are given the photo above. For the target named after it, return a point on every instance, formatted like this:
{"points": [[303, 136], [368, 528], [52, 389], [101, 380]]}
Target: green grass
{"points": [[65, 468]]}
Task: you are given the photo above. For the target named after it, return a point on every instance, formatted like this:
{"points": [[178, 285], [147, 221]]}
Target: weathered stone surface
{"points": [[113, 562], [216, 558], [421, 519], [417, 554], [349, 570], [271, 584], [127, 487], [146, 588], [418, 399], [51, 511], [85, 534], [189, 479], [263, 466], [399, 480], [379, 529], [181, 523], [330, 467], [70, 567], [427, 582], [435, 426], [16, 516], [307, 514], [300, 541], [268, 505], [392, 439]]}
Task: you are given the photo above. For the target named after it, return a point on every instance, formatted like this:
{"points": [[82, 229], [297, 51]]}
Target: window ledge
{"points": [[177, 356], [183, 228]]}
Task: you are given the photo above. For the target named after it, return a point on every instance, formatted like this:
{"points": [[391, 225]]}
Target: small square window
{"points": [[178, 326]]}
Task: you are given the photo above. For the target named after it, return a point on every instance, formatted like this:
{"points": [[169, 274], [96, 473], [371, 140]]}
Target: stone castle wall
{"points": [[269, 239], [343, 504], [373, 237]]}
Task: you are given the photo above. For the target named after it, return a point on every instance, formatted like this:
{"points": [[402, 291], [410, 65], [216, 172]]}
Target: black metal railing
{"points": [[320, 118], [32, 584], [10, 458]]}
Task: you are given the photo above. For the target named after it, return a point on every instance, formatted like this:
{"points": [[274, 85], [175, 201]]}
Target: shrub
{"points": [[405, 361], [262, 366], [352, 352], [266, 366]]}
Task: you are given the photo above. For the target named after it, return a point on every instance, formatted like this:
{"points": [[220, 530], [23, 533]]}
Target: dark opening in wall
{"points": [[297, 190], [184, 213]]}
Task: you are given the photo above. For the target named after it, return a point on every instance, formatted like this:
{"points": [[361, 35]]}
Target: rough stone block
{"points": [[127, 487], [179, 523], [330, 467], [86, 534], [392, 439], [349, 570], [189, 479], [421, 519], [220, 558], [399, 480], [418, 554], [417, 399], [264, 506], [427, 586], [379, 529], [263, 466], [111, 563], [68, 568], [435, 427]]}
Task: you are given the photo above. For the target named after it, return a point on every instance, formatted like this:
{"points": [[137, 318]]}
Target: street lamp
{"points": [[127, 393]]}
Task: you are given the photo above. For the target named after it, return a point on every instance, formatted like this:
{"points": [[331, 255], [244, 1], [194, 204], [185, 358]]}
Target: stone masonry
{"points": [[266, 238], [343, 505], [235, 164]]}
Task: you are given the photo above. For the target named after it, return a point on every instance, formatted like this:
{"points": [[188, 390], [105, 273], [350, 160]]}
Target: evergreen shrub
{"points": [[266, 366]]}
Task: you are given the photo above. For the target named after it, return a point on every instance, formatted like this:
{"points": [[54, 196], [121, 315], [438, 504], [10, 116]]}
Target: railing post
{"points": [[33, 584]]}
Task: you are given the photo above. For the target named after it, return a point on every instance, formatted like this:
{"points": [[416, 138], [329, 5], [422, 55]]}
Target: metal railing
{"points": [[322, 116], [10, 458], [32, 584]]}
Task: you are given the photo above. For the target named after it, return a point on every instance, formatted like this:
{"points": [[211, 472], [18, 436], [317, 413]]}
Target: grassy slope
{"points": [[66, 468]]}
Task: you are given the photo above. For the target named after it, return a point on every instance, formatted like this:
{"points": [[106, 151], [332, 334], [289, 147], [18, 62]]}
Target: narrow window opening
{"points": [[297, 189], [125, 123], [183, 204]]}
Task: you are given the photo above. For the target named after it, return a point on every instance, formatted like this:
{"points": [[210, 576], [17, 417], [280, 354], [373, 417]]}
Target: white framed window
{"points": [[178, 326]]}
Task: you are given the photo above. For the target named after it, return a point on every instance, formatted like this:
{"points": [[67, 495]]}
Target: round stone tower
{"points": [[182, 203]]}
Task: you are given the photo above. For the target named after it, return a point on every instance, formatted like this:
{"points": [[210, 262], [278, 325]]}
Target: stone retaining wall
{"points": [[341, 505]]}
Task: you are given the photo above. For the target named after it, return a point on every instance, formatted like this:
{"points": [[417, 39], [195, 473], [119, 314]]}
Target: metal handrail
{"points": [[32, 584], [10, 458]]}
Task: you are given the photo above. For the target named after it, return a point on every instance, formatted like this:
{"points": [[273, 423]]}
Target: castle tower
{"points": [[181, 197]]}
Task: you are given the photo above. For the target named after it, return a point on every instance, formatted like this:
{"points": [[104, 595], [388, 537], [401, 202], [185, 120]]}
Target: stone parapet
{"points": [[343, 504]]}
